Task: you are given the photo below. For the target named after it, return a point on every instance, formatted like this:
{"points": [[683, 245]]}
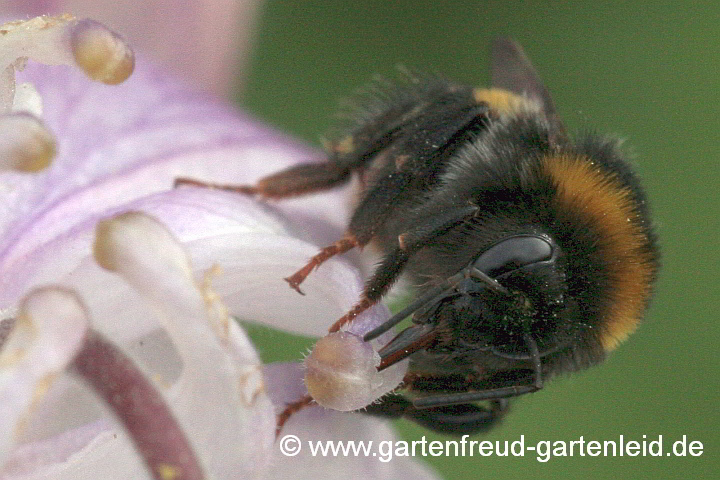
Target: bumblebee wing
{"points": [[510, 69]]}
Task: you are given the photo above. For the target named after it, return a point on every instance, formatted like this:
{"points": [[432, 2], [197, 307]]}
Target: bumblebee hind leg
{"points": [[461, 419]]}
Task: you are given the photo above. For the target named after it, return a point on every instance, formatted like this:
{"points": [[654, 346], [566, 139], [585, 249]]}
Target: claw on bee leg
{"points": [[341, 246]]}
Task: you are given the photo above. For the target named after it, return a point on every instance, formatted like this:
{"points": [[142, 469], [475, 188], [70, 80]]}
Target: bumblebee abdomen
{"points": [[602, 220]]}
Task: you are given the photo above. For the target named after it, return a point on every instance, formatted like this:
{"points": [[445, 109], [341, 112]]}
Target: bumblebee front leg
{"points": [[341, 246], [297, 180]]}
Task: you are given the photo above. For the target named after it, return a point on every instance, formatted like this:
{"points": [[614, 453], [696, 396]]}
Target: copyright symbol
{"points": [[290, 445]]}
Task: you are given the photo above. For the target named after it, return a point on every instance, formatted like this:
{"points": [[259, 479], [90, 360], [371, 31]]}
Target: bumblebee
{"points": [[531, 253]]}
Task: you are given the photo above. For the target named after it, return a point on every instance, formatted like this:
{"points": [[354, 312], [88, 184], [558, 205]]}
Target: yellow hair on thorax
{"points": [[505, 102]]}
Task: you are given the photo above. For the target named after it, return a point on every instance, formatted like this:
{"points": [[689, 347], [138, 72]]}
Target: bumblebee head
{"points": [[513, 289]]}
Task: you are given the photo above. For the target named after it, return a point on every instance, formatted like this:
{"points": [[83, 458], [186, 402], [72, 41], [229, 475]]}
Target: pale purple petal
{"points": [[216, 386], [77, 454], [318, 425], [121, 148], [253, 243], [118, 144]]}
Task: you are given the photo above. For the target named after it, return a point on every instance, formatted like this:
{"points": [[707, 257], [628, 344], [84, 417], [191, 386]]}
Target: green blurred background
{"points": [[646, 71]]}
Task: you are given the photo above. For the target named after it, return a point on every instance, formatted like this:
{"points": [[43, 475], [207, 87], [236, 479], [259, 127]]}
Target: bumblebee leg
{"points": [[373, 211], [460, 398], [460, 419], [392, 265], [451, 419], [369, 216], [341, 246], [414, 162], [290, 410], [376, 287], [345, 155], [297, 180], [407, 162], [521, 387], [363, 304]]}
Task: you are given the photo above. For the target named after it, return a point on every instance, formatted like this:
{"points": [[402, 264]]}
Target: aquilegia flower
{"points": [[116, 287]]}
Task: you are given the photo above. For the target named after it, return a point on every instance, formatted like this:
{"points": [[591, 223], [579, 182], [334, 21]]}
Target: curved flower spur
{"points": [[532, 253]]}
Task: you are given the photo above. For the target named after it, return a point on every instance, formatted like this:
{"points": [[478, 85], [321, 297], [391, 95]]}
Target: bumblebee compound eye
{"points": [[515, 252], [526, 265]]}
